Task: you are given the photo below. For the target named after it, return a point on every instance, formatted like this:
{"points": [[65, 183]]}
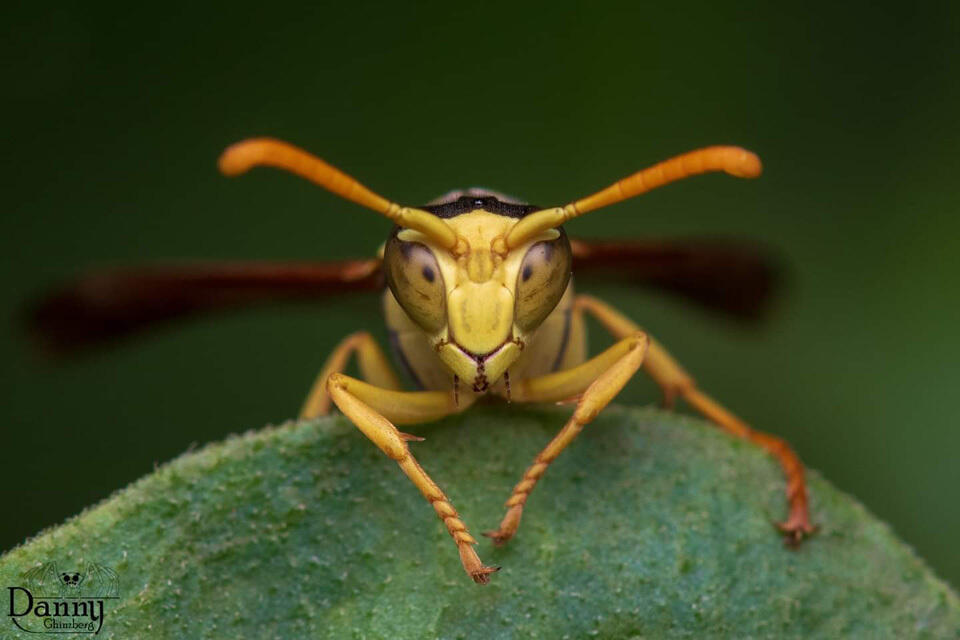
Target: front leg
{"points": [[675, 382], [365, 406], [599, 379]]}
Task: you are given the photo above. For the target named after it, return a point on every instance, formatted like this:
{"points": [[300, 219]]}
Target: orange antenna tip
{"points": [[239, 158], [744, 164]]}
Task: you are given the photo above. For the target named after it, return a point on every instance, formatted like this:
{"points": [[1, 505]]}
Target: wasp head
{"points": [[481, 301]]}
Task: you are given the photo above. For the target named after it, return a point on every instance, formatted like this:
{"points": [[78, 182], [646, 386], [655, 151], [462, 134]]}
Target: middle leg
{"points": [[676, 382], [374, 367]]}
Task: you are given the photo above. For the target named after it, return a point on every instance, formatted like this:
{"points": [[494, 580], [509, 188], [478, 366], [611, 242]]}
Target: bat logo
{"points": [[53, 601]]}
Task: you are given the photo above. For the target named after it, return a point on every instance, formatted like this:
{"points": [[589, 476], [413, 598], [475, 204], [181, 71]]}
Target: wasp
{"points": [[479, 300]]}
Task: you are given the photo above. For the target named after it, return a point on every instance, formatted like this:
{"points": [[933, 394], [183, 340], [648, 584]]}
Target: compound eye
{"points": [[544, 274], [414, 277]]}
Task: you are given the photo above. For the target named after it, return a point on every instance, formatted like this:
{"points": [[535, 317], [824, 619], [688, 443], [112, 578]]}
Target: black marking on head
{"points": [[474, 192], [480, 382], [491, 204]]}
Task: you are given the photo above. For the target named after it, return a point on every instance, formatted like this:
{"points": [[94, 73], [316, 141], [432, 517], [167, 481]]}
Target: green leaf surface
{"points": [[650, 525]]}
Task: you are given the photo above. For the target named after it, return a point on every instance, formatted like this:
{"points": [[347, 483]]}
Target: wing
{"points": [[104, 305], [101, 582], [733, 277]]}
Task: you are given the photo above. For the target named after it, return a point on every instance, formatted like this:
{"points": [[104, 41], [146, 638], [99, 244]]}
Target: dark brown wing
{"points": [[104, 305], [730, 276]]}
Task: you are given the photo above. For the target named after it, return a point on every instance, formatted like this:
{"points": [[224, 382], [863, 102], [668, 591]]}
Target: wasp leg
{"points": [[365, 406], [599, 380], [374, 367], [675, 382]]}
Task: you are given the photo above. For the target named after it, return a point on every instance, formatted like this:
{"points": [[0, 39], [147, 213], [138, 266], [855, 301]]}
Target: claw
{"points": [[482, 575], [499, 538], [409, 437], [508, 527], [472, 565], [796, 529]]}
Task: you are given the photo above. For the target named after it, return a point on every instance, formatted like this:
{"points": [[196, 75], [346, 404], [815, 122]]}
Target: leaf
{"points": [[650, 525]]}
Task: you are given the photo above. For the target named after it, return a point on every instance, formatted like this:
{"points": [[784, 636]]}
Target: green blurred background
{"points": [[114, 117]]}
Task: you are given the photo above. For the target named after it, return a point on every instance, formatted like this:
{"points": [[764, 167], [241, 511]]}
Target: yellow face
{"points": [[479, 303]]}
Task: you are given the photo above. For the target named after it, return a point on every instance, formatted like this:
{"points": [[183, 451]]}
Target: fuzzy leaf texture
{"points": [[650, 525]]}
